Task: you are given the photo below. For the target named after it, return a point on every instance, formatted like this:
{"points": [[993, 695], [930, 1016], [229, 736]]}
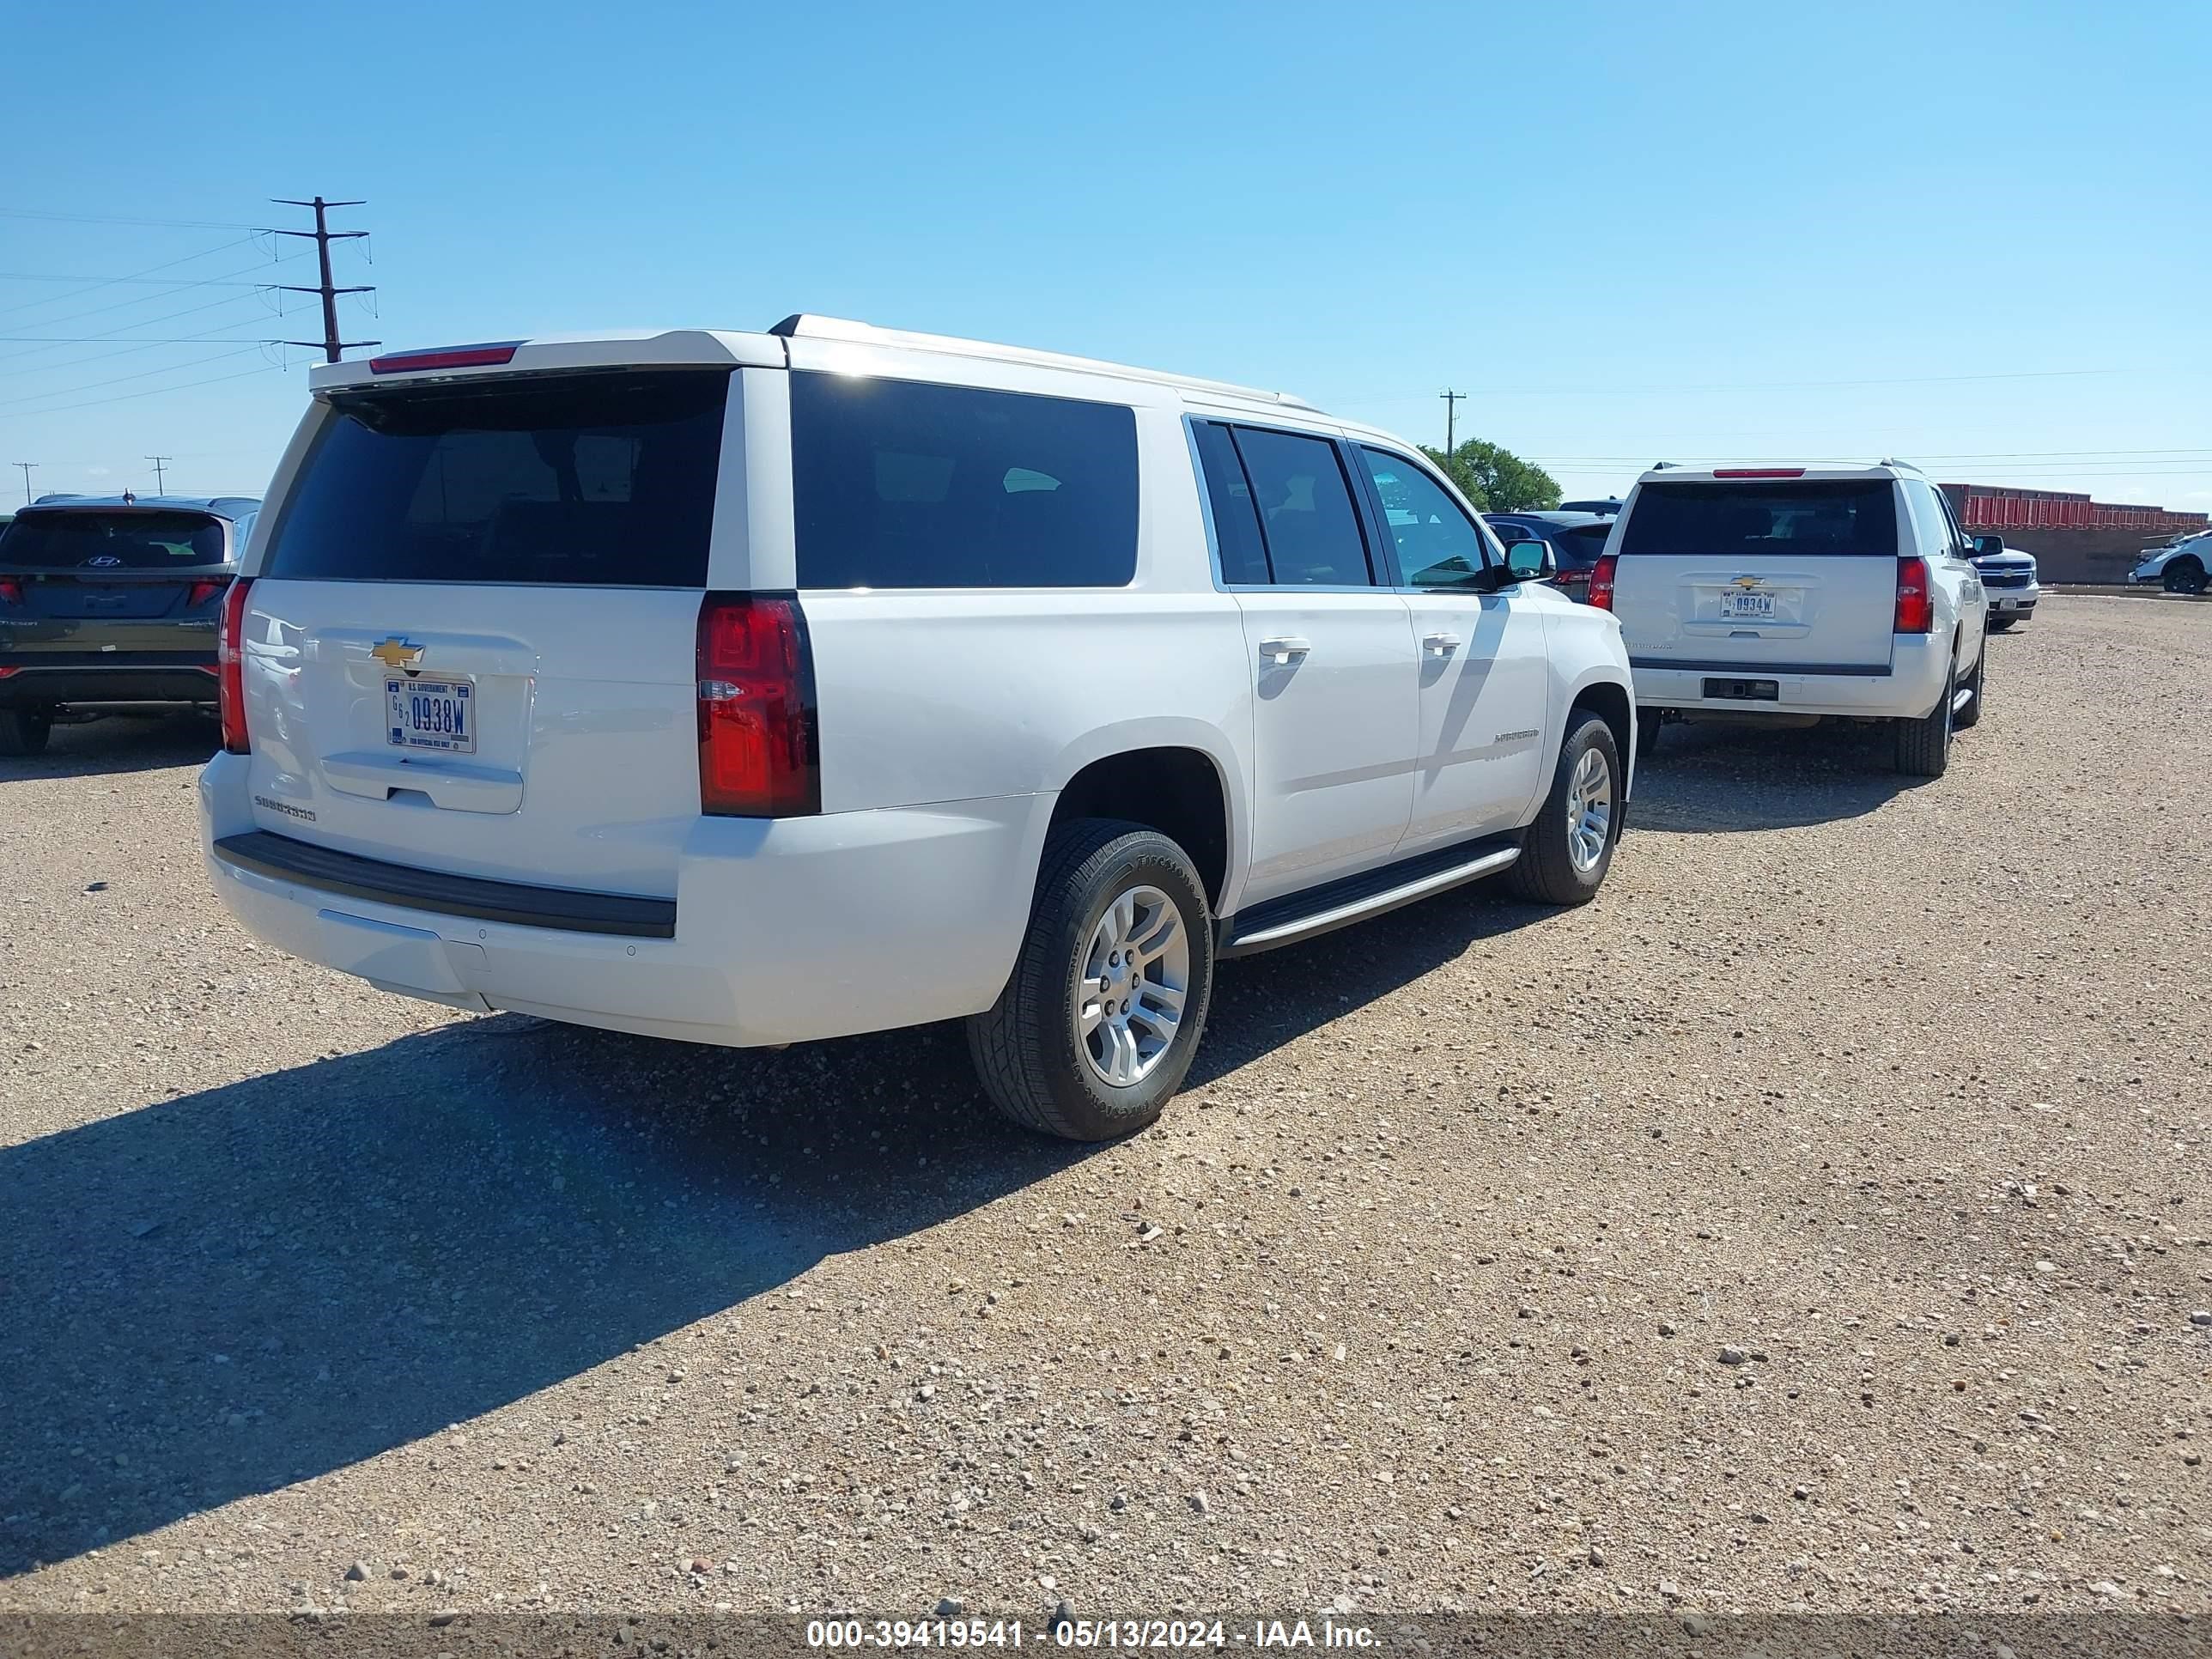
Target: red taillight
{"points": [[1601, 581], [11, 591], [202, 591], [1759, 472], [1916, 611], [468, 357], [230, 669], [757, 742]]}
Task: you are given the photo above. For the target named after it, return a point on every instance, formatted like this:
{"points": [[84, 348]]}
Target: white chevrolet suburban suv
{"points": [[1788, 594], [748, 688]]}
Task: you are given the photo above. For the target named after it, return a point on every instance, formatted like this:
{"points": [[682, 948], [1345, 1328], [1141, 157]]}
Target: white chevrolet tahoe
{"points": [[1789, 594], [748, 688]]}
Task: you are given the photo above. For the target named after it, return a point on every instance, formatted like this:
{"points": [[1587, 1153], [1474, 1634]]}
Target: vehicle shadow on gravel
{"points": [[118, 742], [219, 1295], [1709, 779]]}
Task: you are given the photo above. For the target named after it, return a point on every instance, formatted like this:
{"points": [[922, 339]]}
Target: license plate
{"points": [[440, 714], [1740, 606]]}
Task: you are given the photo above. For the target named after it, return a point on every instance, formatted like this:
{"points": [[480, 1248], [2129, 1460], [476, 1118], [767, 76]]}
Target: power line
{"points": [[141, 299], [142, 374], [143, 322], [155, 392], [110, 219], [333, 346], [95, 283], [111, 281]]}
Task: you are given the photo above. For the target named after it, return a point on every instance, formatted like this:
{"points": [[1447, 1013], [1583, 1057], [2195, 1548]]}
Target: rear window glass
{"points": [[901, 483], [1773, 517], [594, 480], [111, 541]]}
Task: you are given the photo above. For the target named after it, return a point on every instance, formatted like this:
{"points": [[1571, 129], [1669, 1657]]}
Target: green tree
{"points": [[1497, 480]]}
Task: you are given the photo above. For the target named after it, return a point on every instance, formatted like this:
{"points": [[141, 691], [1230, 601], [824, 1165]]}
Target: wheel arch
{"points": [[1171, 775]]}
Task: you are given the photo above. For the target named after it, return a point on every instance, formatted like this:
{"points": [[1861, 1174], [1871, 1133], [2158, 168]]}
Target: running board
{"points": [[1960, 698], [1335, 905]]}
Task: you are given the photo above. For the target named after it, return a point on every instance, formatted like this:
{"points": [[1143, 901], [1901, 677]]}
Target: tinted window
{"points": [[898, 483], [1236, 519], [1745, 520], [1306, 514], [606, 480], [111, 541], [1578, 548], [1439, 545]]}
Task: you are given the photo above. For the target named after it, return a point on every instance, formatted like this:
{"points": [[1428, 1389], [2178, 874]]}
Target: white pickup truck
{"points": [[750, 688], [1792, 594]]}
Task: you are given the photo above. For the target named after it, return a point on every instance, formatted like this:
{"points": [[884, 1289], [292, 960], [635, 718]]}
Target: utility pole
{"points": [[332, 347], [1452, 400], [27, 466], [160, 461]]}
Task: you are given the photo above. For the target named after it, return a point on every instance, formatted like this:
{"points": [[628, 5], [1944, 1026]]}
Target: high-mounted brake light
{"points": [[1601, 581], [1759, 472], [230, 669], [757, 754], [11, 591], [202, 591], [468, 357], [1916, 610]]}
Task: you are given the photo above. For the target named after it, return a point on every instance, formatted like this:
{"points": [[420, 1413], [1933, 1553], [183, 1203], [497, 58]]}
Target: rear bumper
{"points": [[1906, 690], [780, 931], [167, 679]]}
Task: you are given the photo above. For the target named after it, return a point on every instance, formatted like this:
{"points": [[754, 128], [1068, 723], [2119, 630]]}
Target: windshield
{"points": [[67, 539]]}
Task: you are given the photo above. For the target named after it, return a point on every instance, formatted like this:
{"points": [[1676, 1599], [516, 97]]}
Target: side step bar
{"points": [[1300, 916]]}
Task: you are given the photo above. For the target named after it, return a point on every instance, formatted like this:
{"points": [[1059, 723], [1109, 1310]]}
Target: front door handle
{"points": [[1440, 645], [1284, 649]]}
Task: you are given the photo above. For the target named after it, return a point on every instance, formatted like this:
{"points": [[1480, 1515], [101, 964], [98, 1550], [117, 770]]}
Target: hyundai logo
{"points": [[104, 560]]}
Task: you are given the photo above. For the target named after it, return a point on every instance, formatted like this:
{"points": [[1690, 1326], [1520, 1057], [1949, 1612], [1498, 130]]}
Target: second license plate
{"points": [[440, 714]]}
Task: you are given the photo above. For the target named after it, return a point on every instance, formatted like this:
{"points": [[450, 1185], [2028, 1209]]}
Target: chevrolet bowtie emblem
{"points": [[1744, 582], [396, 653]]}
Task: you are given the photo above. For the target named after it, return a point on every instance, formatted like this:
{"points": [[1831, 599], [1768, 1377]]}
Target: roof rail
{"points": [[804, 325]]}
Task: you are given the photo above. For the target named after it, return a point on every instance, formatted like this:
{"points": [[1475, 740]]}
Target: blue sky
{"points": [[1977, 235]]}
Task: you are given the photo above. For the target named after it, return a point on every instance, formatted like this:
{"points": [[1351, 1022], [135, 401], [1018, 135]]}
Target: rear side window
{"points": [[903, 484], [594, 480], [1306, 516], [1236, 519], [1776, 519], [111, 541]]}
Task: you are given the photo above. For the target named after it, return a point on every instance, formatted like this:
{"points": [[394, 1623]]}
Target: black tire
{"points": [[1923, 746], [1647, 734], [1972, 714], [1545, 872], [25, 730], [2184, 576], [1033, 1065]]}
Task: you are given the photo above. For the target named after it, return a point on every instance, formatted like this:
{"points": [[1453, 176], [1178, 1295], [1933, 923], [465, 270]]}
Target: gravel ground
{"points": [[1816, 1220]]}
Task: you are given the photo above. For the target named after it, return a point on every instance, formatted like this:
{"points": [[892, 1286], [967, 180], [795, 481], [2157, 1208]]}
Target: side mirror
{"points": [[1527, 560], [1985, 545]]}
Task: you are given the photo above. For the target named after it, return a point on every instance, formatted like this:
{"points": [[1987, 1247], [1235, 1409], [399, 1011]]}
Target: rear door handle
{"points": [[1440, 645], [1284, 647]]}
